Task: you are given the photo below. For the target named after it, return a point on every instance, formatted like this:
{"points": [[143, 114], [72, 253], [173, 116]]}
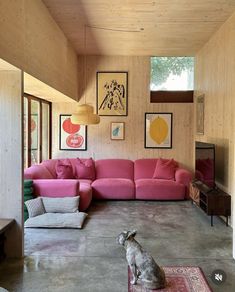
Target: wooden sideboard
{"points": [[212, 202]]}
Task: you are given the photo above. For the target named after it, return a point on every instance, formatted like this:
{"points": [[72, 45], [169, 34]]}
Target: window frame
{"points": [[31, 97], [171, 96]]}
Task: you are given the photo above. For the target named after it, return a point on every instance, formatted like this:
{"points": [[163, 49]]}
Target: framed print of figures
{"points": [[72, 137], [112, 93], [117, 131], [200, 114], [158, 130]]}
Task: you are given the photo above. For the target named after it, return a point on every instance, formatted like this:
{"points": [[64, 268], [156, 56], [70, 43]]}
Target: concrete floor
{"points": [[176, 233]]}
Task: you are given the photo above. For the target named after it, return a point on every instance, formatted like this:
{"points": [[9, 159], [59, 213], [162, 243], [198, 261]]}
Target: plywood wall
{"points": [[215, 77], [11, 156], [33, 42], [99, 143]]}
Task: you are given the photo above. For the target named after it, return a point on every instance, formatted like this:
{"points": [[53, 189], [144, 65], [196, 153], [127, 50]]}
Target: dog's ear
{"points": [[131, 233]]}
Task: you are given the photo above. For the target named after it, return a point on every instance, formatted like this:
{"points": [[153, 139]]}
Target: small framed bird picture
{"points": [[117, 130]]}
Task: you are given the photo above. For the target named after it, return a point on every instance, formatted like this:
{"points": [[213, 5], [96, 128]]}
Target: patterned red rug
{"points": [[179, 279]]}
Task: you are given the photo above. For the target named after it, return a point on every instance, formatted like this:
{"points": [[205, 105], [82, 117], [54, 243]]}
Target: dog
{"points": [[141, 263]]}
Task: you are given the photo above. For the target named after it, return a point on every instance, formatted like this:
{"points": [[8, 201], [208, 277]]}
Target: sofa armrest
{"points": [[56, 187], [184, 177], [37, 171]]}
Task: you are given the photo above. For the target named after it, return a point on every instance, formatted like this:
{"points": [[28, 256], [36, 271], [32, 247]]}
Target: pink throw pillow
{"points": [[85, 169], [165, 169], [64, 170]]}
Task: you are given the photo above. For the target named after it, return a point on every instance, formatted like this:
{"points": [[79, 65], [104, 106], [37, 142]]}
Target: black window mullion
{"points": [[40, 131]]}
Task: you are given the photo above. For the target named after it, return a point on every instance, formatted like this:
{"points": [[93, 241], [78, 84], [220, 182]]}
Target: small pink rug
{"points": [[179, 279]]}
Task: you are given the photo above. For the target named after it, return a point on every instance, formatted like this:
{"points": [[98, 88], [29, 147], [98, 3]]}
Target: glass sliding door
{"points": [[26, 122], [45, 131], [37, 130]]}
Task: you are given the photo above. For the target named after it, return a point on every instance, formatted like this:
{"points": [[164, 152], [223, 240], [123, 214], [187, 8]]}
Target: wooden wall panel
{"points": [[99, 143], [11, 156], [215, 75], [32, 41]]}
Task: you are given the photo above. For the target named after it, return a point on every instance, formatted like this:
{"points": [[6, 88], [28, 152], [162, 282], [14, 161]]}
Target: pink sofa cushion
{"points": [[56, 187], [64, 169], [144, 168], [85, 169], [114, 168], [157, 189], [113, 188], [50, 165], [165, 169], [37, 171], [85, 194]]}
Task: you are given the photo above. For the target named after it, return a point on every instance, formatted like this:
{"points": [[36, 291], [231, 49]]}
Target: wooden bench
{"points": [[5, 224]]}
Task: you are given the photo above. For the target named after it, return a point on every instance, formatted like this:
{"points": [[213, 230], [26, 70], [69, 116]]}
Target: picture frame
{"points": [[117, 131], [158, 130], [200, 101], [72, 137], [112, 93]]}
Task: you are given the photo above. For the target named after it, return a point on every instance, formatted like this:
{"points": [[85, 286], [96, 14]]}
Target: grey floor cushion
{"points": [[57, 220], [61, 205]]}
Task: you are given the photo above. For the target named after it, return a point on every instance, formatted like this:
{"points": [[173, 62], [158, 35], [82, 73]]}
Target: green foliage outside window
{"points": [[162, 67]]}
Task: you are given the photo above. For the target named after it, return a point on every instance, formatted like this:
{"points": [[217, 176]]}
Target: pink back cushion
{"points": [[85, 168], [165, 169], [144, 168], [64, 169], [51, 166], [37, 171], [114, 168]]}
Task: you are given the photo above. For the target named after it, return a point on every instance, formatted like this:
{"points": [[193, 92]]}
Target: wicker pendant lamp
{"points": [[85, 113]]}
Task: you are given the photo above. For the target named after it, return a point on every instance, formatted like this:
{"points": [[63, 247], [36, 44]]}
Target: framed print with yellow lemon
{"points": [[158, 130]]}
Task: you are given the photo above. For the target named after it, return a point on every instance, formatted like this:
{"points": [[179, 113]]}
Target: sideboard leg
{"points": [[211, 220]]}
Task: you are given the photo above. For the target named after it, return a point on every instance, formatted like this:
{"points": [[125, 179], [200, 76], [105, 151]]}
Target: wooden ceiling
{"points": [[140, 27]]}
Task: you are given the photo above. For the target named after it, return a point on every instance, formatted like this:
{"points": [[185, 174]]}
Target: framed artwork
{"points": [[200, 114], [158, 130], [34, 132], [72, 137], [112, 93], [117, 130]]}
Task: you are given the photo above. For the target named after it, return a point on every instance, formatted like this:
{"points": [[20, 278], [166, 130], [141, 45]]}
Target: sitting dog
{"points": [[141, 263]]}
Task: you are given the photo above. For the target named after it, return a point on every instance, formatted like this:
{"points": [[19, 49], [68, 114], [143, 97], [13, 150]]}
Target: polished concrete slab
{"points": [[176, 233]]}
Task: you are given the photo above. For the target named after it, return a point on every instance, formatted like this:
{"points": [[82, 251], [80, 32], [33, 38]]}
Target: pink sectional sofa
{"points": [[119, 179]]}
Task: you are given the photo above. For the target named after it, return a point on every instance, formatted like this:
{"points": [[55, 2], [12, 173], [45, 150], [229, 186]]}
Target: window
{"points": [[172, 73], [172, 79], [37, 130]]}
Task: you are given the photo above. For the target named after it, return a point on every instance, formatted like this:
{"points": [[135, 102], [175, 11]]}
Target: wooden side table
{"points": [[5, 224]]}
